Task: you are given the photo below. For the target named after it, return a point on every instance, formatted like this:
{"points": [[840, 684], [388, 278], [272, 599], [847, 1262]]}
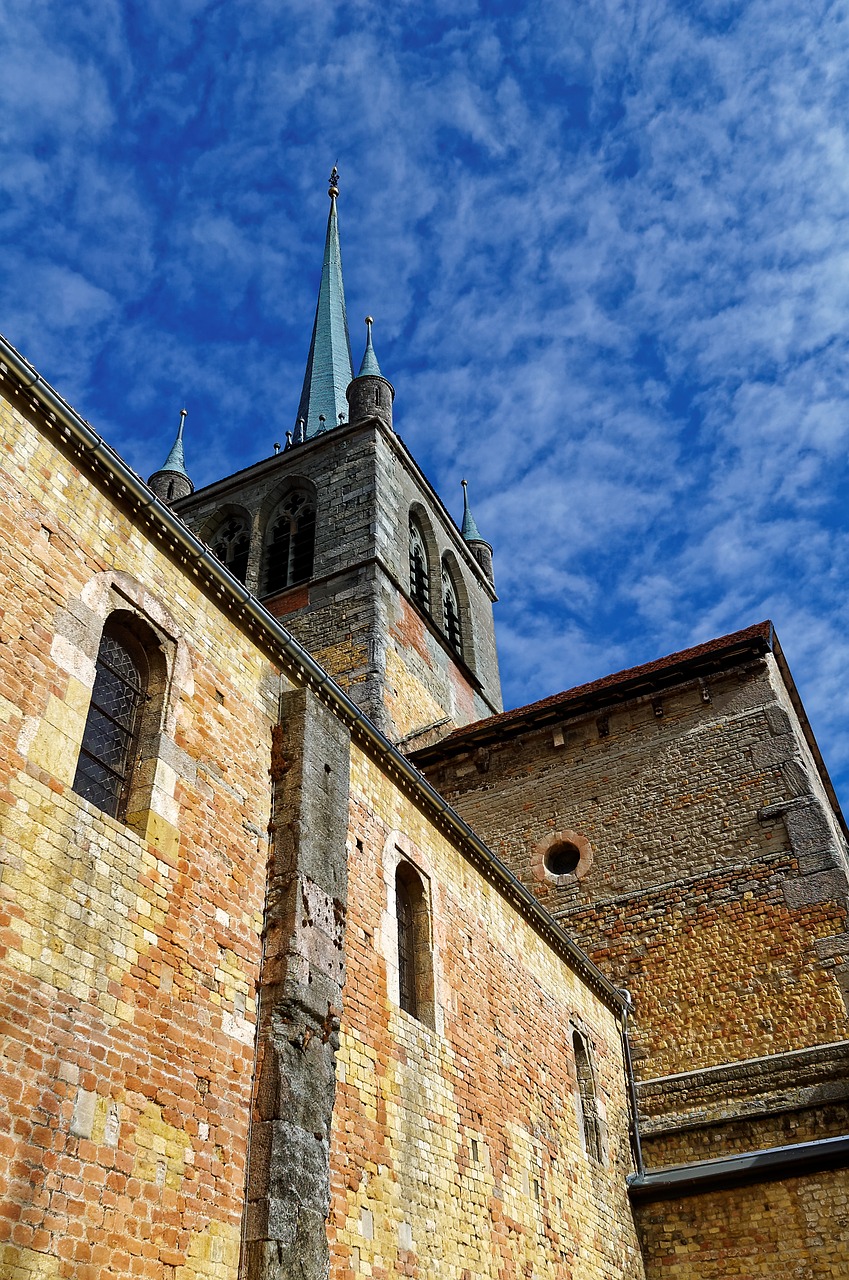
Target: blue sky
{"points": [[606, 246]]}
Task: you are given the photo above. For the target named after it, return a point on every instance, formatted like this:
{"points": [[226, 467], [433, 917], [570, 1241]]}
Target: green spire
{"points": [[329, 366], [470, 530], [176, 460], [369, 364]]}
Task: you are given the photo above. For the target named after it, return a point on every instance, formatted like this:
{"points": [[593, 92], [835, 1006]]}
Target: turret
{"points": [[479, 547], [370, 395], [172, 481]]}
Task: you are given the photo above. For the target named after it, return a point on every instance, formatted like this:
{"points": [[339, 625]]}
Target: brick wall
{"points": [[129, 957], [457, 1148], [714, 882]]}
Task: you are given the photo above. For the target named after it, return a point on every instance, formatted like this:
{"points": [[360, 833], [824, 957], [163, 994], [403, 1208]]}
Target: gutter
{"points": [[749, 1167], [298, 662]]}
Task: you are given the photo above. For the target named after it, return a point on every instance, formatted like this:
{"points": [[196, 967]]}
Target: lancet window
{"points": [[587, 1100], [415, 953], [290, 546], [419, 576], [111, 737], [232, 544], [451, 612]]}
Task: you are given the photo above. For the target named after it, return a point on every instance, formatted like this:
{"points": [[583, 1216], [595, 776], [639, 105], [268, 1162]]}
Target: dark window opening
{"points": [[562, 858], [291, 543], [232, 544], [419, 577], [415, 950], [451, 611], [406, 949], [110, 739]]}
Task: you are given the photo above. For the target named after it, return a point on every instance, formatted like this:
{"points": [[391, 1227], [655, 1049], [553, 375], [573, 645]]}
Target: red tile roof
{"points": [[664, 671]]}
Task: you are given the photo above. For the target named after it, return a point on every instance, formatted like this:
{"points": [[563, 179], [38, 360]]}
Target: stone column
{"points": [[288, 1189]]}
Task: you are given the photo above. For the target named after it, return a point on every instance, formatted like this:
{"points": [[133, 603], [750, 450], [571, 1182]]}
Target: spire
{"points": [[470, 530], [478, 546], [329, 366], [369, 364], [172, 480], [176, 460]]}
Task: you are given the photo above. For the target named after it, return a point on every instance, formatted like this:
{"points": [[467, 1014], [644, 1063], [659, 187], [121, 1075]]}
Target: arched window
{"points": [[451, 612], [110, 741], [232, 543], [415, 956], [291, 542], [587, 1100], [419, 577]]}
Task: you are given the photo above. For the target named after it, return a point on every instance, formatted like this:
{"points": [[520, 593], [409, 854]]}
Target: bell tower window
{"points": [[232, 544], [291, 542], [419, 577], [451, 612]]}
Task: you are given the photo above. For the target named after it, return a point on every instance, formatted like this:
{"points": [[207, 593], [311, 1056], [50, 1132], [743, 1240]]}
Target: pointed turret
{"points": [[329, 365], [370, 395], [479, 547], [172, 481]]}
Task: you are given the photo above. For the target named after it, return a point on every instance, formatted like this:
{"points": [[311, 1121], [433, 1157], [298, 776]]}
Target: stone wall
{"points": [[712, 880], [780, 1230], [129, 953], [457, 1146]]}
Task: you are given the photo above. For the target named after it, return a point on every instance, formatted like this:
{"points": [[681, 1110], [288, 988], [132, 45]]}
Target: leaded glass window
{"points": [[291, 542], [419, 580], [406, 946], [451, 612], [111, 732], [232, 544]]}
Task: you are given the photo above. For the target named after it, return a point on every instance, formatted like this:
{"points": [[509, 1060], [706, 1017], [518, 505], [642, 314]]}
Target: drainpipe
{"points": [[636, 1145]]}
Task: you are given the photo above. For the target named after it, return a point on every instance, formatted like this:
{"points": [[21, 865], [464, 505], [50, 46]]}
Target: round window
{"points": [[562, 858]]}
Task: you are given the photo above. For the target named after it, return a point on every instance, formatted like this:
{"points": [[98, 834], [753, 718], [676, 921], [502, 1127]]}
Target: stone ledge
{"points": [[758, 1086]]}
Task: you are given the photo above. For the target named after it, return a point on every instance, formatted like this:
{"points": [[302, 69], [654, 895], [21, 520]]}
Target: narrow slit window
{"points": [[406, 949], [110, 739], [415, 949], [587, 1100]]}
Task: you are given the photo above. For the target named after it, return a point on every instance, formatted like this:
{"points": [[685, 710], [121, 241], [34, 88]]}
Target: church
{"points": [[316, 962]]}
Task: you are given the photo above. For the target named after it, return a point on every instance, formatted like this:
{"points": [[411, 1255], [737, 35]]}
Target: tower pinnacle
{"points": [[478, 545], [172, 480], [329, 366]]}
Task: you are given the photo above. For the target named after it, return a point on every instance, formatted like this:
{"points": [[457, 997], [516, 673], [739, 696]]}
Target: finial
{"points": [[184, 413], [276, 446], [333, 190], [288, 444]]}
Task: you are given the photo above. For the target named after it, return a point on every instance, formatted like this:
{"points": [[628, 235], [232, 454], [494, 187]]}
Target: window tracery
{"points": [[290, 546], [451, 612], [419, 576], [232, 544], [111, 735]]}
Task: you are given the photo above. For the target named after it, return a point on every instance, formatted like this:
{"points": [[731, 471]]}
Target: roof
{"points": [[323, 404], [687, 663]]}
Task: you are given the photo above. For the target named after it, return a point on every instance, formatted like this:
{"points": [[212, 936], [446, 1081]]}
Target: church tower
{"points": [[342, 537]]}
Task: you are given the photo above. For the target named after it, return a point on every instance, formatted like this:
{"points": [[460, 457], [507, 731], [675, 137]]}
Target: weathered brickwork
{"points": [[781, 1230], [457, 1150], [728, 923], [129, 957]]}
